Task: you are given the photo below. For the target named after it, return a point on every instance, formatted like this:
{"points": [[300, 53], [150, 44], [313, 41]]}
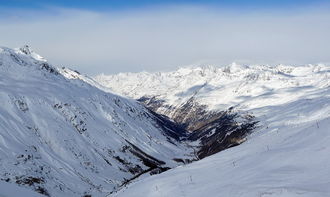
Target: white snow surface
{"points": [[67, 132], [63, 127], [12, 190], [288, 155], [287, 162], [245, 87]]}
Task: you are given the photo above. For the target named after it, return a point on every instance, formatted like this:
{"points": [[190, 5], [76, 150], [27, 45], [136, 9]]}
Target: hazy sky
{"points": [[119, 36]]}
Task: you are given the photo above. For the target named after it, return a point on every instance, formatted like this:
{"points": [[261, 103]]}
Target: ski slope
{"points": [[287, 156], [288, 161]]}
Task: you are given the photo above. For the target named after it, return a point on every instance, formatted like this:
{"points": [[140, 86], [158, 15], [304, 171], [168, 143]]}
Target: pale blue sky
{"points": [[119, 36], [118, 4]]}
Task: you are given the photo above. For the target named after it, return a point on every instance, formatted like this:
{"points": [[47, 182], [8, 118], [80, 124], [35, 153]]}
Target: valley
{"points": [[63, 134]]}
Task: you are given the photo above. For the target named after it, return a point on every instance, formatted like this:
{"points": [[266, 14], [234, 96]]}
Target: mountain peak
{"points": [[91, 134], [16, 60], [26, 50]]}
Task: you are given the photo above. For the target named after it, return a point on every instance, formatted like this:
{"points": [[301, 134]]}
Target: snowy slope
{"points": [[12, 190], [289, 161], [62, 136], [245, 87], [286, 156]]}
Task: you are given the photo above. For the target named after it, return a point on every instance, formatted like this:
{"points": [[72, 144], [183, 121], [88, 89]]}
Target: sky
{"points": [[113, 36]]}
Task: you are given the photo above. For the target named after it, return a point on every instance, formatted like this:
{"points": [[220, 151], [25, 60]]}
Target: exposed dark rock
{"points": [[217, 130], [26, 50], [49, 68], [21, 104], [183, 161], [171, 128], [42, 190], [29, 180], [147, 160], [159, 170], [222, 133], [134, 169]]}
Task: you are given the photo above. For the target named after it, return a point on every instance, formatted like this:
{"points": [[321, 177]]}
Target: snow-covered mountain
{"points": [[243, 87], [65, 134], [62, 136], [287, 155], [248, 89], [287, 160]]}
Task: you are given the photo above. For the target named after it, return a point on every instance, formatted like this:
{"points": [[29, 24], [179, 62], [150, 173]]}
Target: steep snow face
{"points": [[62, 136], [286, 156]]}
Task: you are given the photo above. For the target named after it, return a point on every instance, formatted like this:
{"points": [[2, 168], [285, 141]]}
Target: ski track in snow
{"points": [[287, 156]]}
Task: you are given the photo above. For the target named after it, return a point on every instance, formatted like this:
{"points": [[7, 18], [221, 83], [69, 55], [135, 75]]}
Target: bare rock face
{"points": [[216, 130], [224, 131]]}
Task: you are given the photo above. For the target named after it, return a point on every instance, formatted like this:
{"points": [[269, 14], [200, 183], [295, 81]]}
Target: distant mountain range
{"points": [[286, 155], [63, 133]]}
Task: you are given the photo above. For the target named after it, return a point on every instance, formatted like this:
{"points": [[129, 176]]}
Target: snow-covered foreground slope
{"points": [[12, 190], [287, 156], [287, 162], [62, 136]]}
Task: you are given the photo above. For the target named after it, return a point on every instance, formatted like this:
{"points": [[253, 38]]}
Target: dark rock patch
{"points": [[216, 130]]}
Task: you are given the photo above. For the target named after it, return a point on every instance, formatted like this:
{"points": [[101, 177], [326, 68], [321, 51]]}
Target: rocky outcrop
{"points": [[215, 130]]}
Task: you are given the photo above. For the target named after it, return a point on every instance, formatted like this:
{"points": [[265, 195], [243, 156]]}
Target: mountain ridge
{"points": [[62, 136], [286, 155]]}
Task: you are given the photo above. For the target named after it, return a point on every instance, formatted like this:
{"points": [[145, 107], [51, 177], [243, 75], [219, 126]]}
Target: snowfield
{"points": [[12, 190], [66, 134], [289, 161], [287, 156], [243, 87], [61, 136]]}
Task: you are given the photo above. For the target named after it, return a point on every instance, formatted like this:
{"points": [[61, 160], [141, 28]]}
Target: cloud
{"points": [[163, 38]]}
